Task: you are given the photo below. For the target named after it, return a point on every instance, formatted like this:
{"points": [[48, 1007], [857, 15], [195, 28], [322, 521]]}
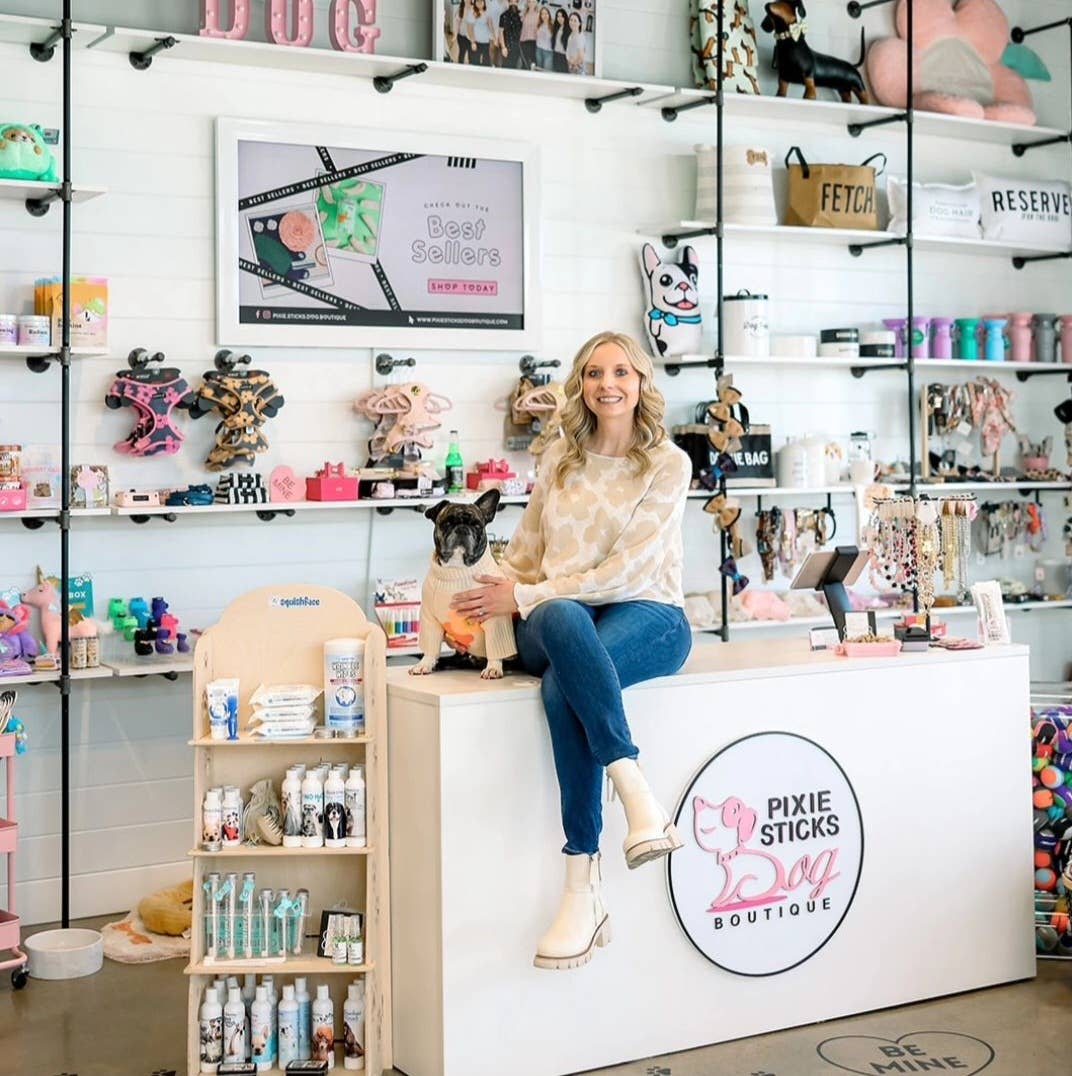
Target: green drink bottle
{"points": [[455, 467]]}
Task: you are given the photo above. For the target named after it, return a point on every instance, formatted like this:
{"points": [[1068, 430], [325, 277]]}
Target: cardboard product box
{"points": [[89, 309], [89, 486]]}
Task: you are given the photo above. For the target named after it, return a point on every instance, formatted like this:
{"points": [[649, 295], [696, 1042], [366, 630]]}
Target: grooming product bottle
{"points": [[292, 809], [454, 466], [273, 998], [231, 887], [232, 817], [211, 822], [305, 1019], [344, 686], [312, 811], [287, 1024], [211, 1031], [282, 927], [260, 1024], [245, 911], [234, 1026], [355, 808], [212, 916], [335, 811], [324, 1027], [353, 1027], [355, 946]]}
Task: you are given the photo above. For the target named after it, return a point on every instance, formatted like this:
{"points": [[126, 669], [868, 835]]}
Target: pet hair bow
{"points": [[794, 32], [728, 568]]}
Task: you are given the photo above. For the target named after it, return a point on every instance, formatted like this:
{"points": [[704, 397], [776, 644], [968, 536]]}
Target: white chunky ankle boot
{"points": [[582, 922], [651, 833]]}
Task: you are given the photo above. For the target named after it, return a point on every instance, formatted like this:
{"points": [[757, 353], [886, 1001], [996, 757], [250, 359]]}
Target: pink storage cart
{"points": [[9, 835]]}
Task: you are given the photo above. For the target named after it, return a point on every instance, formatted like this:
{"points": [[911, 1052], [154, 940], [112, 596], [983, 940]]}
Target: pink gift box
{"points": [[13, 500]]}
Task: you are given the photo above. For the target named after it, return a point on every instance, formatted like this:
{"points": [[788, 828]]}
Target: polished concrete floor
{"points": [[129, 1020]]}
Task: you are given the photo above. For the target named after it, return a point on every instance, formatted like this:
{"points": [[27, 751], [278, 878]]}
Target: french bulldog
{"points": [[461, 554], [672, 319]]}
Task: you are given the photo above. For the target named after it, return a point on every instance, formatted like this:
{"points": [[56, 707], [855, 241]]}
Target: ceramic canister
{"points": [[746, 328], [881, 344], [967, 333], [9, 329], [1045, 337], [785, 346], [748, 183]]}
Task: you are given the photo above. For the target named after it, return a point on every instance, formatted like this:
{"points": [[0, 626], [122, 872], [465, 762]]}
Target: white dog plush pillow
{"points": [[672, 317]]}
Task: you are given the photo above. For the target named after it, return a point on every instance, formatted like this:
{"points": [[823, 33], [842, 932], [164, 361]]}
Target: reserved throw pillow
{"points": [[938, 209], [1035, 212]]}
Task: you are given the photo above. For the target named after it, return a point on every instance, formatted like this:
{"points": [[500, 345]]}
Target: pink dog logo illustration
{"points": [[752, 876]]}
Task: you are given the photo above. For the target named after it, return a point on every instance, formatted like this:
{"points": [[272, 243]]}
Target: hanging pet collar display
{"points": [[404, 415], [672, 319], [245, 402], [153, 394]]}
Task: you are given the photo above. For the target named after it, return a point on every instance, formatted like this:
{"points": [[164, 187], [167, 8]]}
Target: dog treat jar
{"points": [[746, 328]]}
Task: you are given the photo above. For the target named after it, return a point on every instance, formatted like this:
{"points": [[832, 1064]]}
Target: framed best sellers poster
{"points": [[345, 237]]}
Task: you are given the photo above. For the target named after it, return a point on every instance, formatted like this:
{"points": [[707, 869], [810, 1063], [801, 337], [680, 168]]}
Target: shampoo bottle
{"points": [[335, 811], [288, 1028], [292, 809], [353, 1027], [355, 808], [324, 1027], [234, 1026], [232, 818], [211, 821], [211, 1031], [260, 1018], [312, 811], [305, 1019], [273, 1001]]}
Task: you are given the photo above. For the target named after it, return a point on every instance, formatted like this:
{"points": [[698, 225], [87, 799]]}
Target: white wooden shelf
{"points": [[19, 190], [833, 362], [25, 30], [157, 664], [101, 672], [984, 247], [794, 110], [988, 487], [985, 366], [53, 513], [295, 965], [277, 851], [322, 61], [32, 351]]}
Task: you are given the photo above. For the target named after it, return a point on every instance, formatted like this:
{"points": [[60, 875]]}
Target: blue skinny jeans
{"points": [[586, 655]]}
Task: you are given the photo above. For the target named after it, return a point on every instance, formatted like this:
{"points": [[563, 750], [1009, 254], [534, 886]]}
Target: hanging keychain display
{"points": [[245, 402], [154, 394]]}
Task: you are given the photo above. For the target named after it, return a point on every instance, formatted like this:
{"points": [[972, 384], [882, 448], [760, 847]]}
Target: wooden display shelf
{"points": [[299, 741], [300, 965], [101, 672], [158, 665], [277, 852]]}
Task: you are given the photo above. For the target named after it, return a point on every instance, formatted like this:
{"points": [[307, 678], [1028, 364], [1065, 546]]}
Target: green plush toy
{"points": [[24, 155]]}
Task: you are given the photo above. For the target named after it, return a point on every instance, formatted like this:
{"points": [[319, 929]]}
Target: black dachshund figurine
{"points": [[795, 62]]}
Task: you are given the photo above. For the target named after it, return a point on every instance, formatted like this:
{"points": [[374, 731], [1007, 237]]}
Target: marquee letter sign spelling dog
{"points": [[351, 23]]}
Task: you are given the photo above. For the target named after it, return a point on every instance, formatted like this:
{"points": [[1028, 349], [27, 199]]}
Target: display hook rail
{"points": [[387, 364], [1018, 34]]}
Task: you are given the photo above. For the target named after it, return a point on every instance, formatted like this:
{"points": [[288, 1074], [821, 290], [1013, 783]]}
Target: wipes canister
{"points": [[344, 686]]}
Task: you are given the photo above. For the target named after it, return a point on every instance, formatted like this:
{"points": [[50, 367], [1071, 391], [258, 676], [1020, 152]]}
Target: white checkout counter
{"points": [[870, 847]]}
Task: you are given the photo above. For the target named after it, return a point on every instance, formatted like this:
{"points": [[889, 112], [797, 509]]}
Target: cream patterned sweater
{"points": [[608, 535]]}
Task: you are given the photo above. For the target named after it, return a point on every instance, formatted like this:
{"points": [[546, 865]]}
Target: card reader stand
{"points": [[830, 572]]}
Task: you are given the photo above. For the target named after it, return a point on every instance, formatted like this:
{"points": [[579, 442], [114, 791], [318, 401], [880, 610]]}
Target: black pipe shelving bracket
{"points": [[38, 207], [1020, 261], [385, 364], [595, 104], [671, 239], [857, 129], [1045, 370], [856, 9], [167, 517], [1020, 148], [43, 51], [1019, 33], [716, 362], [266, 515], [142, 61], [856, 249], [385, 83], [529, 364], [670, 112], [859, 371]]}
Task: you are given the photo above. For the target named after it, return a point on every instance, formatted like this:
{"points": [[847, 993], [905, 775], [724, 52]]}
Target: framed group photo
{"points": [[346, 237], [539, 36]]}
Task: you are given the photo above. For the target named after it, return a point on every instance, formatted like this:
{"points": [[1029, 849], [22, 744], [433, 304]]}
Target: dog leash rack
{"points": [[670, 113], [386, 364], [594, 104], [386, 83]]}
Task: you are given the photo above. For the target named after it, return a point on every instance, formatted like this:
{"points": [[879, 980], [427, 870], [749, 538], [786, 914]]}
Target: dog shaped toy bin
{"points": [[461, 554]]}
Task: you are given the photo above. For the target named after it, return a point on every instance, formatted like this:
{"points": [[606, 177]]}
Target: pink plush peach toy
{"points": [[958, 63]]}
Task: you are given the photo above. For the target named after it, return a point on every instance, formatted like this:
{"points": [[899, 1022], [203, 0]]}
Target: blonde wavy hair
{"points": [[578, 423]]}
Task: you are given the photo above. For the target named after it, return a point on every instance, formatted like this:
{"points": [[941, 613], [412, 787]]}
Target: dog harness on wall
{"points": [[245, 401], [155, 433]]}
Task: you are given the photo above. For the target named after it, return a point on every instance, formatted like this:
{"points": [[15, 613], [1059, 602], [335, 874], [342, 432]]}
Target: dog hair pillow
{"points": [[938, 209], [958, 63], [1035, 212], [740, 62], [672, 316]]}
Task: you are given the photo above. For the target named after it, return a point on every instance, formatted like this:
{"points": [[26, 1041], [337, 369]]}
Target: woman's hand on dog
{"points": [[496, 598]]}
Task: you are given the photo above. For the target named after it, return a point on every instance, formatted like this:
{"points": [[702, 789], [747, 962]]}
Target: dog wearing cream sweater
{"points": [[461, 554]]}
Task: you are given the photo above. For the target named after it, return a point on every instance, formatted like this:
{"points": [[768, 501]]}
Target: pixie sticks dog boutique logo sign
{"points": [[772, 856]]}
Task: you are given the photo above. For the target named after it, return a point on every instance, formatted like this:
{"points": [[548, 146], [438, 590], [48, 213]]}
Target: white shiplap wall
{"points": [[149, 137]]}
